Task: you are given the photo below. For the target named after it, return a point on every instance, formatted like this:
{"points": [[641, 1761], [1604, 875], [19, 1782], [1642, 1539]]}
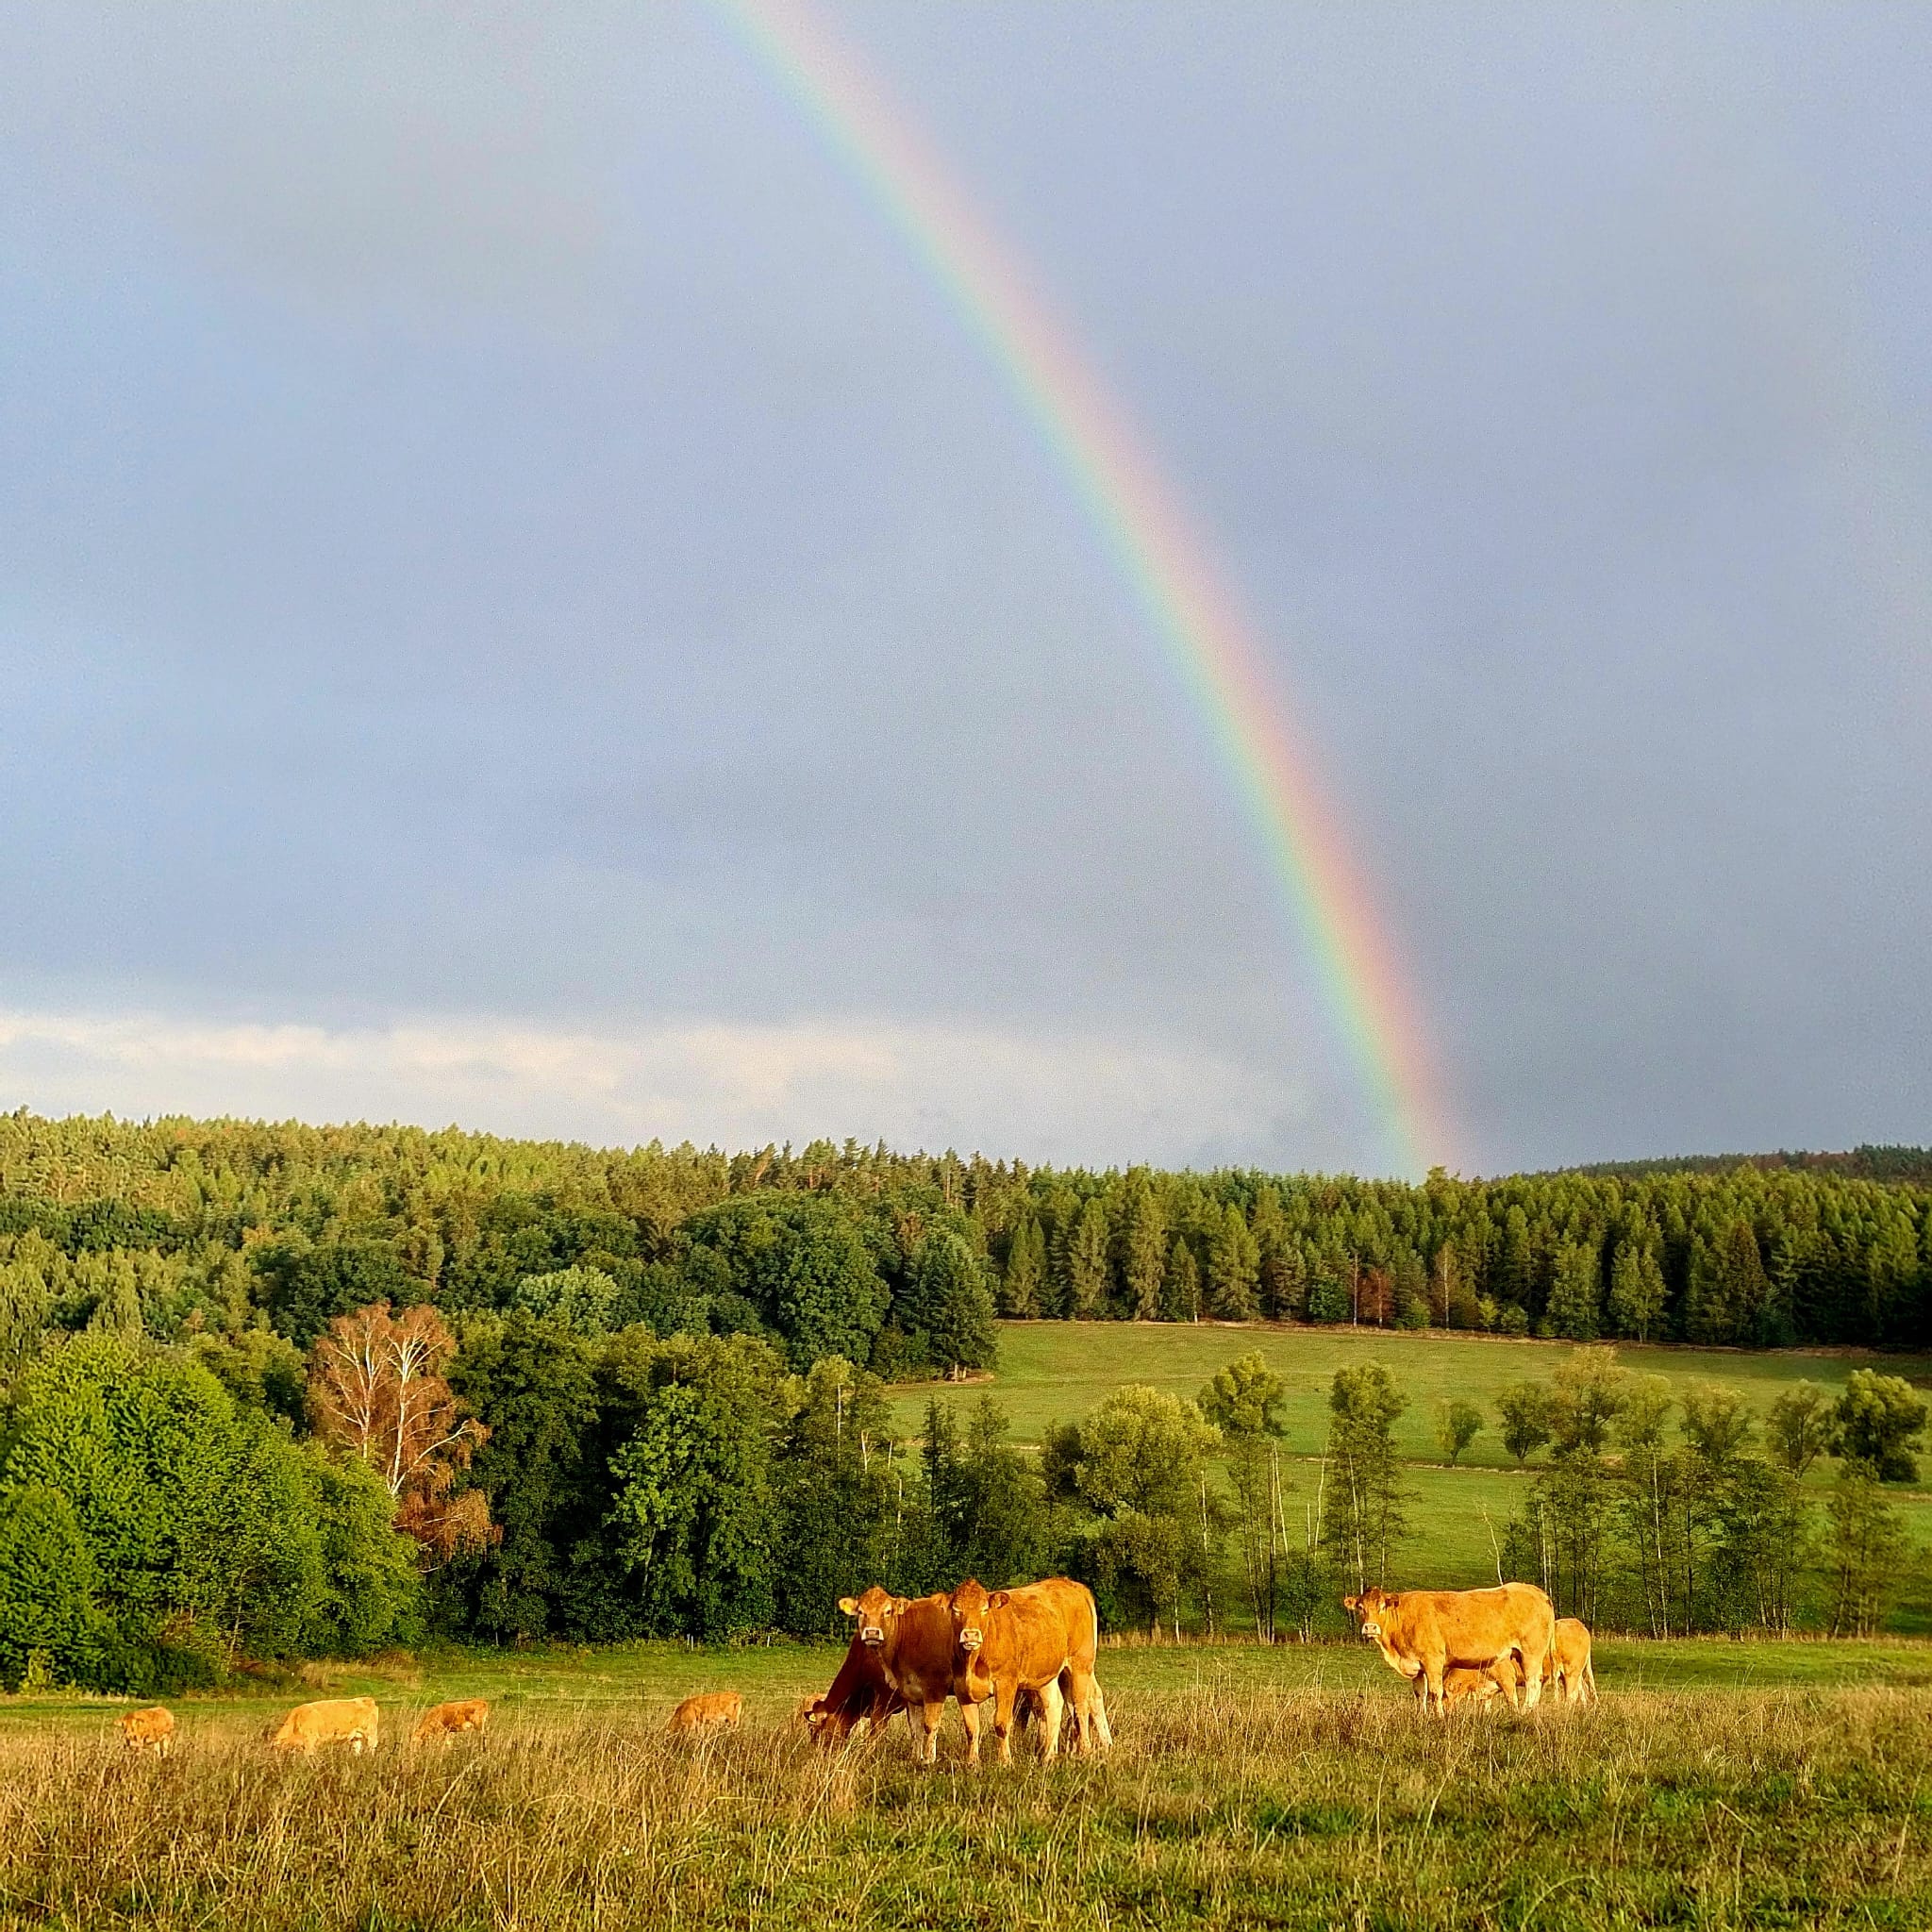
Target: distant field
{"points": [[1053, 1372], [1717, 1785]]}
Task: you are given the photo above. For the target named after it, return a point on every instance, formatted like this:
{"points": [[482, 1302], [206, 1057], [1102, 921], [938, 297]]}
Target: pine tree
{"points": [[1636, 1291], [1023, 1283], [1086, 1270], [1143, 1249], [1234, 1267], [1181, 1292], [1572, 1312]]}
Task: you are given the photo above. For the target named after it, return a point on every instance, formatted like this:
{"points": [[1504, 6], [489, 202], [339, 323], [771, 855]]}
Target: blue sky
{"points": [[524, 606]]}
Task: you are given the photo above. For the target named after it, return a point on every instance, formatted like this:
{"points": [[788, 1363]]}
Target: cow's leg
{"points": [[1535, 1664], [969, 1716], [1076, 1690], [1096, 1704], [929, 1717], [1051, 1713], [1432, 1684], [1003, 1695]]}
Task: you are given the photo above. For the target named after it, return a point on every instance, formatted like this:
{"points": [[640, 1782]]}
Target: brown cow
{"points": [[351, 1721], [859, 1696], [912, 1641], [1423, 1632], [446, 1720], [708, 1711], [1039, 1639], [1576, 1673], [148, 1730]]}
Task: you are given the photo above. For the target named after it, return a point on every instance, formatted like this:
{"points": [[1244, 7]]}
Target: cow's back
{"points": [[1475, 1627]]}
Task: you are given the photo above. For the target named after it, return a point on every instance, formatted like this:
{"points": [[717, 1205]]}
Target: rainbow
{"points": [[1207, 643]]}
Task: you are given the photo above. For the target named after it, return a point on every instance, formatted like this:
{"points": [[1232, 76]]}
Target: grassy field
{"points": [[1722, 1786], [1055, 1371]]}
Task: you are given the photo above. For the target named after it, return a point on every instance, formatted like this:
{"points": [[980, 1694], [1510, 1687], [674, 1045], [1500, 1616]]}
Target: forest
{"points": [[272, 1391]]}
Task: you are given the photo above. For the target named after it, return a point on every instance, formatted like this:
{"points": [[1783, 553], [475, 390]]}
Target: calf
{"points": [[710, 1710], [148, 1730], [448, 1720], [351, 1721]]}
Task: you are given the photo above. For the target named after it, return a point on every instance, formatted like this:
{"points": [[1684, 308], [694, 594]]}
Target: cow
{"points": [[708, 1711], [911, 1640], [1038, 1638], [351, 1721], [148, 1730], [448, 1720], [1576, 1673], [1459, 1682], [1423, 1632], [860, 1695]]}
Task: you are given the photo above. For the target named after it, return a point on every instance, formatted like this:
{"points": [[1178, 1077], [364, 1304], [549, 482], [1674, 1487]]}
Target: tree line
{"points": [[900, 1263]]}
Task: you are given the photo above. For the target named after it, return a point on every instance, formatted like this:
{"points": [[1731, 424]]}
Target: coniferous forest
{"points": [[273, 1390]]}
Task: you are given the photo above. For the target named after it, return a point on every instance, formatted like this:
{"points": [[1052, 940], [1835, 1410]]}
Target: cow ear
{"points": [[999, 1599], [1351, 1603], [849, 1605]]}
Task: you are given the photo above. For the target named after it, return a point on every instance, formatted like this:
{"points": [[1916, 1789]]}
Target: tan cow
{"points": [[1421, 1633], [148, 1730], [351, 1721], [1459, 1683], [1576, 1673], [708, 1711], [448, 1720], [911, 1638], [1039, 1639]]}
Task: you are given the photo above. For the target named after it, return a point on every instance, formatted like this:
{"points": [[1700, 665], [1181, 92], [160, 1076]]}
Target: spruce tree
{"points": [[1143, 1249], [1086, 1270], [1024, 1282], [1234, 1267]]}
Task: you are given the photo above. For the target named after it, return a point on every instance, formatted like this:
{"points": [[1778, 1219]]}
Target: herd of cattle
{"points": [[1029, 1652]]}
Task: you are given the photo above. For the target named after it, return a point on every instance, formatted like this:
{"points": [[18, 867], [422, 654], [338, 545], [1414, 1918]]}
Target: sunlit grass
{"points": [[1244, 1802]]}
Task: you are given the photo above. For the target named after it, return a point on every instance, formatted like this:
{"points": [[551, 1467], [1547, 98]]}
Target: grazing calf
{"points": [[448, 1720], [148, 1730], [351, 1721], [710, 1710], [1422, 1633]]}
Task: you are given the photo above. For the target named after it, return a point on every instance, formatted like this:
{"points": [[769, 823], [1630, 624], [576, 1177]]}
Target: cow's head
{"points": [[1371, 1609], [972, 1605], [875, 1610]]}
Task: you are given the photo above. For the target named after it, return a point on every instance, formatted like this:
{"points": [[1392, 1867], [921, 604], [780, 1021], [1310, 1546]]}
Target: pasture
{"points": [[1719, 1785], [1052, 1372]]}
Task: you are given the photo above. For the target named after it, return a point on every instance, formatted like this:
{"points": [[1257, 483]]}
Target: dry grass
{"points": [[1315, 1809]]}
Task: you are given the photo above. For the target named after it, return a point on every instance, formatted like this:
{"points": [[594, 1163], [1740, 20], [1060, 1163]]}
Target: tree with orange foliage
{"points": [[376, 1388]]}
